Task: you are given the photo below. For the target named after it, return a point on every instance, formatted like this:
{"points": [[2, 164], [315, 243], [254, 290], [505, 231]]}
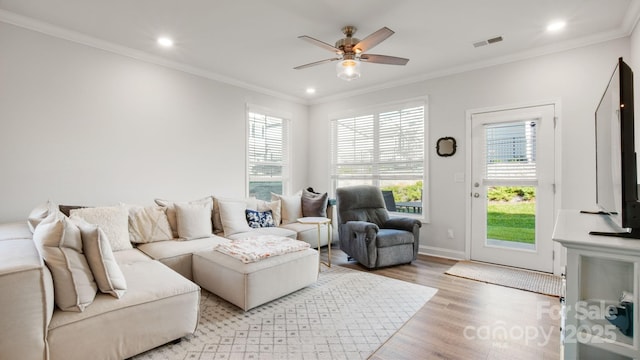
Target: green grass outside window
{"points": [[511, 221]]}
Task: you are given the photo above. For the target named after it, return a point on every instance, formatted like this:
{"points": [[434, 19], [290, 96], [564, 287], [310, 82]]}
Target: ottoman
{"points": [[253, 284]]}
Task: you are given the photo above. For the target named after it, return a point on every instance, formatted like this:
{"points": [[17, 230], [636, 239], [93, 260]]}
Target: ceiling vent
{"points": [[493, 40]]}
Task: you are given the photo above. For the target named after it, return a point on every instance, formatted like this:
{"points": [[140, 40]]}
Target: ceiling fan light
{"points": [[348, 69]]}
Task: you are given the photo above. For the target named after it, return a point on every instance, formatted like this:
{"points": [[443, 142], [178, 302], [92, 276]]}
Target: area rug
{"points": [[533, 281], [347, 314]]}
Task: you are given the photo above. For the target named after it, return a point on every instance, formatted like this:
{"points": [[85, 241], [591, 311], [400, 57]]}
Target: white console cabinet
{"points": [[599, 269]]}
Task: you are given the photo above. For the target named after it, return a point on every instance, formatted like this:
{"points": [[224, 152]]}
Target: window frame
{"points": [[375, 111], [285, 178]]}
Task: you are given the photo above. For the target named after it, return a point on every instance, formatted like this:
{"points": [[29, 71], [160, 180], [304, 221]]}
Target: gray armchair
{"points": [[367, 233]]}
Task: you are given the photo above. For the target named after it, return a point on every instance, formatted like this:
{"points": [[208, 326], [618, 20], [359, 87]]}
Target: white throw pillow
{"points": [[148, 224], [114, 220], [291, 207], [233, 217], [60, 243], [171, 211], [275, 207], [193, 220], [104, 267], [251, 203], [40, 213]]}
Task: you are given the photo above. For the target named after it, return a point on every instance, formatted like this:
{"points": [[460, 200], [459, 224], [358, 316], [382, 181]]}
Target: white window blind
{"points": [[353, 147], [267, 153], [378, 147], [510, 151], [401, 144]]}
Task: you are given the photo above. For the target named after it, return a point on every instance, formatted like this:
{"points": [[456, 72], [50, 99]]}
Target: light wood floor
{"points": [[468, 319]]}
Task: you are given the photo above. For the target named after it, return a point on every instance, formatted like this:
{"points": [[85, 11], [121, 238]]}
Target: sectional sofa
{"points": [[161, 301]]}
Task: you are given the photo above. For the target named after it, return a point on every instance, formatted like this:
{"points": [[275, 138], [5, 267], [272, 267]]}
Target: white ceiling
{"points": [[253, 43]]}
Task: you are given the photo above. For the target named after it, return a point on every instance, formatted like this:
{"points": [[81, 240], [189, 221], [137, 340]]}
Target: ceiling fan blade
{"points": [[322, 44], [374, 39], [384, 59], [315, 63]]}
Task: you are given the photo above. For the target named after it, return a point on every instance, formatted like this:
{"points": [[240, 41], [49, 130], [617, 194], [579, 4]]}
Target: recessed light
{"points": [[556, 26], [165, 41], [310, 90]]}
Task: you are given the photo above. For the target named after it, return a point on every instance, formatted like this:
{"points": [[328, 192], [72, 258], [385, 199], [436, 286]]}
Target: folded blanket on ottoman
{"points": [[261, 247]]}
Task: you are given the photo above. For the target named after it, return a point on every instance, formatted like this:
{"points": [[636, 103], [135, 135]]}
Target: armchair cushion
{"points": [[393, 237]]}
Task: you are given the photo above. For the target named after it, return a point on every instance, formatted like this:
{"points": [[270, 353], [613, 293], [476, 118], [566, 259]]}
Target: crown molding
{"points": [[74, 36], [621, 32], [626, 28], [631, 17]]}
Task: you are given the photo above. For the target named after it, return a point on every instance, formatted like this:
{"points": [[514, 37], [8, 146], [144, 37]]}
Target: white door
{"points": [[512, 187]]}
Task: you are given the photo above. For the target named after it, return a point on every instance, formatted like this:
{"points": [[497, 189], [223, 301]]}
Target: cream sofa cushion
{"points": [[275, 207], [15, 230], [291, 207], [148, 224], [193, 220], [104, 267], [114, 220], [251, 203], [60, 243], [160, 305], [232, 215], [171, 211], [279, 231], [40, 213]]}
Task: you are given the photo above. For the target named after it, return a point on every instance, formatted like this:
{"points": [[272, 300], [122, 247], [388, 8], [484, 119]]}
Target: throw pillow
{"points": [[274, 206], [259, 219], [217, 222], [148, 224], [40, 213], [233, 217], [100, 257], [171, 211], [60, 243], [114, 220], [66, 209], [193, 220], [291, 207], [314, 204]]}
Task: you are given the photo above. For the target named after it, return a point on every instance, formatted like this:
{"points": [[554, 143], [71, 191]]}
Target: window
{"points": [[386, 149], [510, 150], [268, 154]]}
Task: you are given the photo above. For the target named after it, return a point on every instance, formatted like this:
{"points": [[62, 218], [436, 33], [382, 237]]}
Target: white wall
{"points": [[576, 78], [80, 125]]}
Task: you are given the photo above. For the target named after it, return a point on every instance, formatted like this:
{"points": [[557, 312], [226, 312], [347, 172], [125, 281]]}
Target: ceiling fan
{"points": [[350, 52]]}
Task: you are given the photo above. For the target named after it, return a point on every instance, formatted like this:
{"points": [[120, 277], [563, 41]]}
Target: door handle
{"points": [[476, 195]]}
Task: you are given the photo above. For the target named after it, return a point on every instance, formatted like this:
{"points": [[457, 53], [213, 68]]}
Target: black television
{"points": [[616, 167]]}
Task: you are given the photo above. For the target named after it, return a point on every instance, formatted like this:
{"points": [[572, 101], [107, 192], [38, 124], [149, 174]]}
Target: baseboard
{"points": [[442, 252]]}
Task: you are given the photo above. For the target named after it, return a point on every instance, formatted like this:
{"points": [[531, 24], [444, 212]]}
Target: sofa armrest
{"points": [[401, 223], [27, 308]]}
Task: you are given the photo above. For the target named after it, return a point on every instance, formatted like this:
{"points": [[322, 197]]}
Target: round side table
{"points": [[319, 221]]}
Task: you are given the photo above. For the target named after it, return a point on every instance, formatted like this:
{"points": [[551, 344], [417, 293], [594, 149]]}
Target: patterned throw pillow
{"points": [[260, 219]]}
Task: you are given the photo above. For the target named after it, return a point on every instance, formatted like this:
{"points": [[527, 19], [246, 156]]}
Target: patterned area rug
{"points": [[533, 281], [347, 314]]}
